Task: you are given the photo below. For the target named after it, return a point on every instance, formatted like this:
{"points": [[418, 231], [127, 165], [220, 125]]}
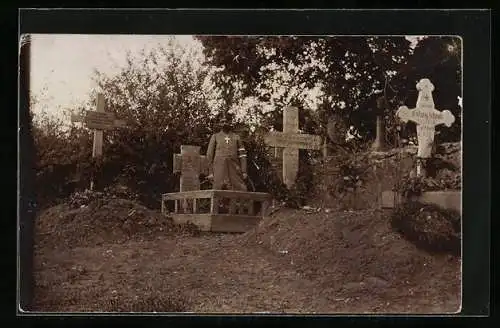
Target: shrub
{"points": [[63, 160], [299, 193], [429, 227], [350, 176]]}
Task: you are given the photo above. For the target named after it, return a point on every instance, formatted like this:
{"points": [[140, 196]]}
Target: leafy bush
{"points": [[80, 199], [350, 175], [299, 193], [63, 159], [429, 227], [260, 66], [266, 178], [413, 186]]}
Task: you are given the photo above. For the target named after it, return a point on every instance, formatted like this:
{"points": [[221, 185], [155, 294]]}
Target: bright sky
{"points": [[63, 64]]}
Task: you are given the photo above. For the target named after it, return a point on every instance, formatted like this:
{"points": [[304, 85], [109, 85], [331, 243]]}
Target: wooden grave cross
{"points": [[190, 164], [98, 120], [291, 140], [426, 117]]}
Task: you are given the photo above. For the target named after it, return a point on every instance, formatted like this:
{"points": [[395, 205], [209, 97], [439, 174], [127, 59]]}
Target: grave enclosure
{"points": [[244, 210], [240, 217], [241, 214]]}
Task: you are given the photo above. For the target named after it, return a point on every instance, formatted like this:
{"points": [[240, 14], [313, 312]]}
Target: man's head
{"points": [[225, 124]]}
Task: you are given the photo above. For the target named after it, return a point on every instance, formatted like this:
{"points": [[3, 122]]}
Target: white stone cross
{"points": [[426, 117], [291, 140]]}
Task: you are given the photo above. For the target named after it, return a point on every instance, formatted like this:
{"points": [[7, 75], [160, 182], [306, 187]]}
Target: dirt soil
{"points": [[102, 258]]}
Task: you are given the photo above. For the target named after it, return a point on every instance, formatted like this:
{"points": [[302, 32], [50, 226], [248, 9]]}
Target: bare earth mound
{"points": [[100, 220], [359, 264], [293, 262]]}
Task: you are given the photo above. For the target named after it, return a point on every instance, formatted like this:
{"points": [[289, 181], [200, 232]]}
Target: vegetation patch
{"points": [[429, 227]]}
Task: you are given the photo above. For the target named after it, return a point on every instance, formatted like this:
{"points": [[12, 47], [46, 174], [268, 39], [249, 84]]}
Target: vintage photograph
{"points": [[293, 174]]}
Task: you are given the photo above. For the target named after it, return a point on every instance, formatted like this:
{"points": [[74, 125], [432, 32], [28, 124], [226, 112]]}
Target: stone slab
{"points": [[202, 221], [445, 199], [219, 222], [215, 222]]}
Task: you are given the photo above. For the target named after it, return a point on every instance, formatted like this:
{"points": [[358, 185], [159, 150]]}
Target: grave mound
{"points": [[91, 218], [354, 254]]}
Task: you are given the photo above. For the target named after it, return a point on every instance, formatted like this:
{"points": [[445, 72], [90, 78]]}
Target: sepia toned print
{"points": [[247, 174]]}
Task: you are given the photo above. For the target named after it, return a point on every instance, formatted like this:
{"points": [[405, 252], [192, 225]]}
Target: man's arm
{"points": [[242, 154], [211, 150]]}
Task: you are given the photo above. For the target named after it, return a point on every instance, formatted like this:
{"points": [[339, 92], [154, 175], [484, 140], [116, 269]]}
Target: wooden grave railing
{"points": [[228, 210]]}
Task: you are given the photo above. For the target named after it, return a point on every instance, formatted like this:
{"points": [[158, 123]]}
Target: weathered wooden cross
{"points": [[291, 140], [426, 118], [98, 120], [190, 164]]}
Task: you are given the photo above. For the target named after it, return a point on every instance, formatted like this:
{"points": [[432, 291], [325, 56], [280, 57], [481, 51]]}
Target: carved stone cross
{"points": [[426, 117]]}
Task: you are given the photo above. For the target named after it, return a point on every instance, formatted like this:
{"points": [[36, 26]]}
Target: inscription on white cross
{"points": [[98, 120], [426, 117], [291, 141]]}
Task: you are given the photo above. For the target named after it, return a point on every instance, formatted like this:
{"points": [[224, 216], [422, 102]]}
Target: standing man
{"points": [[228, 159]]}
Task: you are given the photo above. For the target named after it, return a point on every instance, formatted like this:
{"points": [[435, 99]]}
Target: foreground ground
{"points": [[295, 262]]}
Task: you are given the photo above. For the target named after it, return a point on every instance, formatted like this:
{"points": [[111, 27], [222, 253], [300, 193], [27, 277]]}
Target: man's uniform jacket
{"points": [[227, 157]]}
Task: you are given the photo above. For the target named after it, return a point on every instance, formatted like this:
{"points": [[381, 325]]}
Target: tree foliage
{"points": [[171, 95], [164, 97], [346, 75]]}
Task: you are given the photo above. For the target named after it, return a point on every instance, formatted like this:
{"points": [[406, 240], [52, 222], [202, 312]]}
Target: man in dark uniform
{"points": [[227, 158]]}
